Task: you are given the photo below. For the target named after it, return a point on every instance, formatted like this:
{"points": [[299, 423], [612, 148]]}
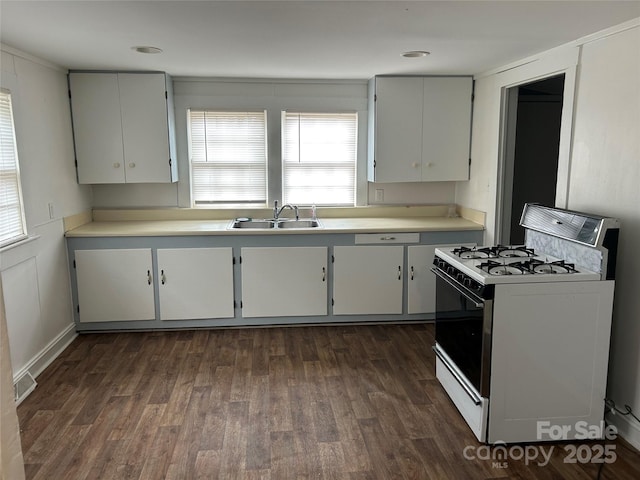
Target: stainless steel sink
{"points": [[266, 224], [257, 224], [298, 224]]}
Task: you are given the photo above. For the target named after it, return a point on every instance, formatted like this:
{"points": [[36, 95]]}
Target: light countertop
{"points": [[161, 222], [154, 228]]}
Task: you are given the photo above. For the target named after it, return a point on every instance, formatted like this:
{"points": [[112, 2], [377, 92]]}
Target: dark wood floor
{"points": [[343, 402]]}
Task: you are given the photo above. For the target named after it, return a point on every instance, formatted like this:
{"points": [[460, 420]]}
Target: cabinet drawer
{"points": [[364, 238]]}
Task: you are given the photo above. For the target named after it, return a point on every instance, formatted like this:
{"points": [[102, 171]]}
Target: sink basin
{"points": [[298, 224], [266, 224], [258, 224]]}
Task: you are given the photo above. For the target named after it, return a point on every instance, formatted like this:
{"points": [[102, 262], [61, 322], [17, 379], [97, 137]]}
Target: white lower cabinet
{"points": [[195, 283], [191, 282], [421, 284], [284, 281], [367, 279], [421, 281], [115, 285]]}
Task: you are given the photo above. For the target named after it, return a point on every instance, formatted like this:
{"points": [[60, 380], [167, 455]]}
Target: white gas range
{"points": [[512, 264], [522, 332]]}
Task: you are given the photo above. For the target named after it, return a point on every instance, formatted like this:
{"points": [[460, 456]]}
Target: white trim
{"points": [[32, 58], [559, 56], [329, 81], [566, 137], [560, 50], [627, 428], [607, 32], [563, 60], [18, 252], [17, 243], [49, 353]]}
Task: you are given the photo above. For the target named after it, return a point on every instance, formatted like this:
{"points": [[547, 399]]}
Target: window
{"points": [[12, 224], [319, 158], [228, 157]]}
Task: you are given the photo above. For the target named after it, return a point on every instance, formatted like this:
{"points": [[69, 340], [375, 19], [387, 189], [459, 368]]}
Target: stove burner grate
{"points": [[473, 253], [502, 251], [513, 251], [557, 267], [496, 268]]}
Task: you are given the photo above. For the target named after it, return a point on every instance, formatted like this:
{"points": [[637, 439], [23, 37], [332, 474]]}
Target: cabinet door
{"points": [[115, 285], [398, 129], [421, 281], [367, 280], [195, 283], [284, 281], [145, 128], [95, 106], [446, 128], [421, 284]]}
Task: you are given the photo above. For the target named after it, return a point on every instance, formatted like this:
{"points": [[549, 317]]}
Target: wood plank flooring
{"points": [[322, 402]]}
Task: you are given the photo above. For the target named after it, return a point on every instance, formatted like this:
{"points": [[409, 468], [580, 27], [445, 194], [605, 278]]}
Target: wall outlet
{"points": [[379, 195]]}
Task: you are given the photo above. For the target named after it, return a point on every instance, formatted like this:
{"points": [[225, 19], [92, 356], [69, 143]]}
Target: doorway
{"points": [[533, 115]]}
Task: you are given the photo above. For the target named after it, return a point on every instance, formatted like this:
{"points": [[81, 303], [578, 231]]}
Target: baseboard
{"points": [[627, 428], [48, 354]]}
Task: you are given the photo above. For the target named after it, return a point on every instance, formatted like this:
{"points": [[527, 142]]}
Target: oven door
{"points": [[463, 333]]}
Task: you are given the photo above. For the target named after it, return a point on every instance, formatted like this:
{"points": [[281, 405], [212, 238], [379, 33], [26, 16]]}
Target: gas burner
{"points": [[496, 268], [473, 253], [514, 251], [557, 267]]}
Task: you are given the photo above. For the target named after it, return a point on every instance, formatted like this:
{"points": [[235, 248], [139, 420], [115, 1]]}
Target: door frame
{"points": [[565, 62]]}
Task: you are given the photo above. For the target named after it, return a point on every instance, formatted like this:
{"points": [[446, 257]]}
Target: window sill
{"points": [[18, 252]]}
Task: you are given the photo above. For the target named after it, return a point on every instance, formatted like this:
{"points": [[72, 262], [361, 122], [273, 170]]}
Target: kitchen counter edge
{"points": [[160, 228]]}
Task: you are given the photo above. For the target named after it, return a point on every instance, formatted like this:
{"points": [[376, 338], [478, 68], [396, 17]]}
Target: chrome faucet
{"points": [[277, 211]]}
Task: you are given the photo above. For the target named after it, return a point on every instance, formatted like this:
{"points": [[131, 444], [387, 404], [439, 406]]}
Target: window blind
{"points": [[228, 157], [319, 158], [12, 223]]}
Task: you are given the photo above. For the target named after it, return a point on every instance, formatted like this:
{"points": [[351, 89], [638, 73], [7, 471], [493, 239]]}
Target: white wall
{"points": [[603, 175], [605, 178], [35, 276], [273, 96]]}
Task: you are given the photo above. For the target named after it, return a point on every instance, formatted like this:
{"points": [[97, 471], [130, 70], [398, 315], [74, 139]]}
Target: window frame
{"points": [[354, 164], [274, 95], [236, 203], [21, 217]]}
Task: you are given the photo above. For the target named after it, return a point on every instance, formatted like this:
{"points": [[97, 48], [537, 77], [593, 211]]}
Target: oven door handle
{"points": [[445, 361], [476, 300]]}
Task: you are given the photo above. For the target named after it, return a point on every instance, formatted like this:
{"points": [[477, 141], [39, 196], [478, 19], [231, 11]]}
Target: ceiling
{"points": [[300, 39]]}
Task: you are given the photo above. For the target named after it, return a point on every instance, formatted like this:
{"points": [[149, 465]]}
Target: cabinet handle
{"points": [[116, 165], [399, 272], [163, 278], [132, 165], [415, 164], [324, 274], [387, 238], [149, 277], [411, 272]]}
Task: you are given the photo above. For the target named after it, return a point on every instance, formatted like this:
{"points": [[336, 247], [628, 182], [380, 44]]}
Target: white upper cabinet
{"points": [[419, 129], [123, 125]]}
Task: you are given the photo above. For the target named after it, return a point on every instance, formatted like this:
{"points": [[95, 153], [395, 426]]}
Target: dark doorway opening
{"points": [[534, 129]]}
